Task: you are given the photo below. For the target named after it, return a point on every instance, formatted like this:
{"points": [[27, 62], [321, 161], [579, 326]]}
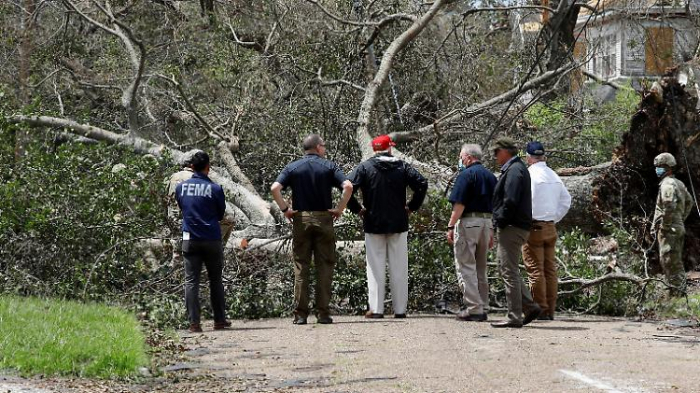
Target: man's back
{"points": [[550, 198], [311, 179], [383, 180], [474, 188], [203, 205]]}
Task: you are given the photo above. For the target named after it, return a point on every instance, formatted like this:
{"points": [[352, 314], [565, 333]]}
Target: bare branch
{"points": [[386, 20], [458, 115]]}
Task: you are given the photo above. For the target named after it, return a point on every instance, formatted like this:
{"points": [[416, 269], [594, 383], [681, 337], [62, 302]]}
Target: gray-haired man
{"points": [[470, 230]]}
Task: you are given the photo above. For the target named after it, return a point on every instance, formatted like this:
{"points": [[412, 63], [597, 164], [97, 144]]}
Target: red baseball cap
{"points": [[382, 142]]}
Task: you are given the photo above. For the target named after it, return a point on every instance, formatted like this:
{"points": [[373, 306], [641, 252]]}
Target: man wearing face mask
{"points": [[673, 206], [470, 230]]}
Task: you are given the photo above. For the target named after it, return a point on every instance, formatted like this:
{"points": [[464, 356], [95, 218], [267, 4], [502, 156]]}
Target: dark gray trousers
{"points": [[208, 253]]}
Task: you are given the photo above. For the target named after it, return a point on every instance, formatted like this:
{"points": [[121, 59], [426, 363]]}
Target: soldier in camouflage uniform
{"points": [[174, 215], [673, 205]]}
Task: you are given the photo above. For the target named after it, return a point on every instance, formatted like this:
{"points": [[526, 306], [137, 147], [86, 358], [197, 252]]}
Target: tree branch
{"points": [[458, 115]]}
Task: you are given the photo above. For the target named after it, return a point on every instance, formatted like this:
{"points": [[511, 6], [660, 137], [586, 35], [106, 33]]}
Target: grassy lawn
{"points": [[68, 338]]}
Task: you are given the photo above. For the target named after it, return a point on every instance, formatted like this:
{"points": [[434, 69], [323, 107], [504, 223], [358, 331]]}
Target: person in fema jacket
{"points": [[383, 180], [203, 205]]}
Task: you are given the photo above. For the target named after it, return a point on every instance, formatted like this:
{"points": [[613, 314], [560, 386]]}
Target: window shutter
{"points": [[658, 50]]}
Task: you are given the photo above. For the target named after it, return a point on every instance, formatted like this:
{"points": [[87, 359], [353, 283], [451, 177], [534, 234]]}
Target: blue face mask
{"points": [[660, 171], [460, 165]]}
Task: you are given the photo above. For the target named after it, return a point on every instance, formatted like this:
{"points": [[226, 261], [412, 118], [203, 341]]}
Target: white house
{"points": [[634, 39]]}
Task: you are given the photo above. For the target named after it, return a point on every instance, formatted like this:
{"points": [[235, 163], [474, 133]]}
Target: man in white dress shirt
{"points": [[550, 203]]}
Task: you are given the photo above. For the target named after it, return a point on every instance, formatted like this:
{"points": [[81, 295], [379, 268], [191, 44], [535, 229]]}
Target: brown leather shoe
{"points": [[507, 324], [222, 325], [371, 315], [195, 328]]}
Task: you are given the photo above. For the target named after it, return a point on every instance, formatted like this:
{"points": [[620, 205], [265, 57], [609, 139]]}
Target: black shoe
{"points": [[324, 320], [399, 316], [545, 318], [465, 316], [507, 324], [298, 320], [222, 325], [532, 315], [372, 315]]}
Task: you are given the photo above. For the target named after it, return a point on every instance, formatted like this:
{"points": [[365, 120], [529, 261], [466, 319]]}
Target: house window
{"points": [[658, 50]]}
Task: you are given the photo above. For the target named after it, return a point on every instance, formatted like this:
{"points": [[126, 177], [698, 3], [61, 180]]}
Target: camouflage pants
{"points": [[671, 255]]}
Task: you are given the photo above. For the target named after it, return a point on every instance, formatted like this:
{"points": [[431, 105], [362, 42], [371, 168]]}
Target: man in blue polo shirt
{"points": [[203, 205], [470, 230], [312, 179]]}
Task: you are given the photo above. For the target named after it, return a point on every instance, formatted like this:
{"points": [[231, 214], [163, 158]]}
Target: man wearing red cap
{"points": [[383, 180]]}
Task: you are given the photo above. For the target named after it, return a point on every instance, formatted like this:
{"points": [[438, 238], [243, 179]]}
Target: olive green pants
{"points": [[671, 255], [510, 241], [313, 237]]}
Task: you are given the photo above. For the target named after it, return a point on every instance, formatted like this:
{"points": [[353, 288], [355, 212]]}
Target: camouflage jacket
{"points": [[175, 179], [673, 204]]}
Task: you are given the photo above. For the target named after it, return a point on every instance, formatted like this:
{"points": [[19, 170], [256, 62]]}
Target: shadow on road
{"points": [[562, 328]]}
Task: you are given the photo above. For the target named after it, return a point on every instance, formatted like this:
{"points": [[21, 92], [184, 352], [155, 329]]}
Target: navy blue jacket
{"points": [[203, 205], [474, 189], [312, 179]]}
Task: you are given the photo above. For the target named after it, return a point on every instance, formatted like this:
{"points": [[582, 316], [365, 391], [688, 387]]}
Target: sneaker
{"points": [[222, 325], [299, 320], [195, 328]]}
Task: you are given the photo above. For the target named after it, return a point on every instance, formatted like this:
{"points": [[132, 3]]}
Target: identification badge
{"points": [[185, 236]]}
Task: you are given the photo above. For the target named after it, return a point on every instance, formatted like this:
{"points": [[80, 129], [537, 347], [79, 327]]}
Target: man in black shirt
{"points": [[383, 180], [512, 215], [312, 179], [470, 230]]}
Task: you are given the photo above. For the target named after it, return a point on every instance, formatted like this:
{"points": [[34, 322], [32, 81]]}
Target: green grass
{"points": [[55, 337], [679, 308]]}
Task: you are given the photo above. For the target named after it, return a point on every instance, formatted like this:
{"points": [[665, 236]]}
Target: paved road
{"points": [[438, 354], [424, 353]]}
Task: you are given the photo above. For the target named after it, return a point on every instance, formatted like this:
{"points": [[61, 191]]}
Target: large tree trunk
{"points": [[623, 193]]}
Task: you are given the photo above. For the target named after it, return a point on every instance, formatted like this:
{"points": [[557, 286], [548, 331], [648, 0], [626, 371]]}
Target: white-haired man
{"points": [[470, 230]]}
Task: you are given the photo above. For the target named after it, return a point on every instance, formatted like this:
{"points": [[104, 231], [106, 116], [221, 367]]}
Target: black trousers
{"points": [[208, 253]]}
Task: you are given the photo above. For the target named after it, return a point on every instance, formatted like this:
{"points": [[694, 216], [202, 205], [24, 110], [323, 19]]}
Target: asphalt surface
{"points": [[423, 353]]}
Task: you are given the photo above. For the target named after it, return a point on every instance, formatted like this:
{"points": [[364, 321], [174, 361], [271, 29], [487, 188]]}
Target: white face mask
{"points": [[460, 164]]}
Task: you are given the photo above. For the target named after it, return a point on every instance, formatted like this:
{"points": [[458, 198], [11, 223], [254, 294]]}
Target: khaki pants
{"points": [[471, 246], [394, 248], [671, 255], [541, 265], [313, 236], [510, 240]]}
